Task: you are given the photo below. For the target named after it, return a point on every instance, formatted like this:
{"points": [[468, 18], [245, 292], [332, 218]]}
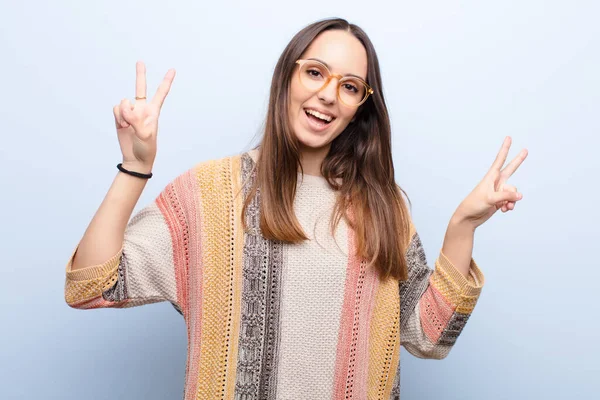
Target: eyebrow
{"points": [[324, 63]]}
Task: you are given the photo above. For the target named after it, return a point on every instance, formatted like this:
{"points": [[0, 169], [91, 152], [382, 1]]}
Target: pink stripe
{"points": [[169, 205], [98, 302], [194, 321], [348, 331], [351, 370], [180, 205], [435, 312]]}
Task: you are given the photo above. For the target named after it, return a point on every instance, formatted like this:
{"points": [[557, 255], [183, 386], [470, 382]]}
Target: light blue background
{"points": [[458, 75]]}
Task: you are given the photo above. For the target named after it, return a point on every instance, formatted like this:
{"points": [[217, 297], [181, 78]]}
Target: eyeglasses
{"points": [[351, 90]]}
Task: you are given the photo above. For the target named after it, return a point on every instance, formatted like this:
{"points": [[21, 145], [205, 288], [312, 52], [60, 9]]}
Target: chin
{"points": [[311, 140]]}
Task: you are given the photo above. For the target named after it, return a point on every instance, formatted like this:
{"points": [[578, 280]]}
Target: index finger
{"points": [[140, 81], [163, 89], [514, 164]]}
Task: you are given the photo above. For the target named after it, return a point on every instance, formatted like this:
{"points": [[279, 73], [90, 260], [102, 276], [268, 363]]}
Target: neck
{"points": [[311, 159]]}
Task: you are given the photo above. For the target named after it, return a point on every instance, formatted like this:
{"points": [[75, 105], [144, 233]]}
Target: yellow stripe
{"points": [[89, 282], [384, 343], [454, 286], [221, 237]]}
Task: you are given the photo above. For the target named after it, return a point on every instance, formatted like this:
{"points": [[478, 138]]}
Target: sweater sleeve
{"points": [[151, 265], [435, 304]]}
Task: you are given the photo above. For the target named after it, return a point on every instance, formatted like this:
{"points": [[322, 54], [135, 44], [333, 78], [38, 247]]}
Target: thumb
{"points": [[499, 197]]}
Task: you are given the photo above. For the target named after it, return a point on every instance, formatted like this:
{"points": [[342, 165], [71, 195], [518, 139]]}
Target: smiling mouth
{"points": [[319, 118]]}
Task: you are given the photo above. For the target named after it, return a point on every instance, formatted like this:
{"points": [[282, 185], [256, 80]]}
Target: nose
{"points": [[328, 93]]}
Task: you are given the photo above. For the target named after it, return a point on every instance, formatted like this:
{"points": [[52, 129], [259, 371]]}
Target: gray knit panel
{"points": [[417, 282], [395, 393], [256, 374], [410, 293], [454, 328], [119, 290]]}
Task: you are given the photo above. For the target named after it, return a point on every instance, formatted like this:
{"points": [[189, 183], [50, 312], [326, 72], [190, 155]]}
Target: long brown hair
{"points": [[369, 200]]}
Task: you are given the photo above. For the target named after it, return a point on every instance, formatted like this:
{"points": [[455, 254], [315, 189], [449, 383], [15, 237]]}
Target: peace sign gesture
{"points": [[493, 193], [137, 123]]}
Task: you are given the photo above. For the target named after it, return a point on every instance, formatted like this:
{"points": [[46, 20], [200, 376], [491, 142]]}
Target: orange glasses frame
{"points": [[340, 78]]}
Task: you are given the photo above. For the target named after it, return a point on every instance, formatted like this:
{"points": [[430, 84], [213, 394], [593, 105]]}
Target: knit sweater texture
{"points": [[272, 320]]}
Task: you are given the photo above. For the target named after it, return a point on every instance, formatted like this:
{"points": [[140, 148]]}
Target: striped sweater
{"points": [[272, 320]]}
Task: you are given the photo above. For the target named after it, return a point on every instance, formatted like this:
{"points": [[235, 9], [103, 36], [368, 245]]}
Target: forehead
{"points": [[341, 51]]}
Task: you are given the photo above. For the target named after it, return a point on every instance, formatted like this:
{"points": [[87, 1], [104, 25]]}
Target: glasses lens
{"points": [[313, 75], [352, 91]]}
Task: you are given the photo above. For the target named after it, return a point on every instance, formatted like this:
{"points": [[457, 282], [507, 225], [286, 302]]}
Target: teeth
{"points": [[319, 115]]}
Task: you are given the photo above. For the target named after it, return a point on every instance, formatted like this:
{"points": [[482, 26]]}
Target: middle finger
{"points": [[514, 164], [140, 82]]}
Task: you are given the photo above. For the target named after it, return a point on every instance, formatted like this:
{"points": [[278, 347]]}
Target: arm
{"points": [[436, 303], [118, 264], [150, 263], [458, 244], [103, 237]]}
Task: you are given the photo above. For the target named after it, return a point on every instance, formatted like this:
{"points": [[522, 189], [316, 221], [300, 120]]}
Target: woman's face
{"points": [[343, 54]]}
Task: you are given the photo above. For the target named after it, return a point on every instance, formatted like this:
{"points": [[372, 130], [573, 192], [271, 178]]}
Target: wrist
{"points": [[461, 224]]}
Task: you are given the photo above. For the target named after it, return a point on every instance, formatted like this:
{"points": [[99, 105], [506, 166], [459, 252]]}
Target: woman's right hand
{"points": [[137, 123]]}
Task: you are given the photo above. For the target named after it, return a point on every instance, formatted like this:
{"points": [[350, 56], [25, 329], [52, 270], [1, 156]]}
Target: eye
{"points": [[350, 87], [314, 73]]}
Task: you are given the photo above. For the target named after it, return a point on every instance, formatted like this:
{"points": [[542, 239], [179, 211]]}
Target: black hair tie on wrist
{"points": [[136, 174]]}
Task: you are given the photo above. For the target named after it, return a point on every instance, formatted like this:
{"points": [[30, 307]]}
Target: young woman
{"points": [[295, 265]]}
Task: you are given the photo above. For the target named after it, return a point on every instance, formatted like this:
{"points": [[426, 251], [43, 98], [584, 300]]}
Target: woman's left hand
{"points": [[492, 193]]}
